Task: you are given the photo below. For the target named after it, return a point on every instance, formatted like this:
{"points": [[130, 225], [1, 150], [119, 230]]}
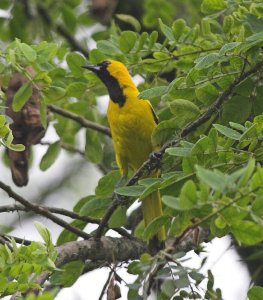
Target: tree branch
{"points": [[106, 249], [154, 162], [42, 211], [18, 240], [64, 212], [106, 284], [82, 121], [55, 210]]}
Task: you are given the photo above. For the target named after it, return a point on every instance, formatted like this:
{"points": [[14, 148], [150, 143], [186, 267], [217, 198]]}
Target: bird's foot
{"points": [[155, 161], [120, 181]]}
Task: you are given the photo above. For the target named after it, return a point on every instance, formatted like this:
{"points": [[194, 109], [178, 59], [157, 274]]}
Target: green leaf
{"points": [[247, 232], [164, 131], [220, 222], [206, 93], [255, 293], [132, 191], [155, 226], [22, 96], [152, 39], [167, 31], [152, 187], [107, 184], [118, 218], [93, 147], [237, 126], [53, 93], [179, 151], [188, 196], [95, 207], [28, 52], [184, 111], [228, 47], [255, 22], [153, 92], [172, 202], [75, 61], [237, 109], [107, 47], [201, 146], [206, 61], [68, 274], [178, 27], [248, 171], [215, 180], [130, 20], [142, 40], [134, 267], [44, 232], [127, 41], [69, 17], [245, 88], [257, 206], [2, 121], [228, 24], [228, 132], [76, 89], [4, 4], [257, 103], [152, 65], [68, 236], [96, 56], [50, 156], [169, 287], [257, 179], [16, 147], [209, 6]]}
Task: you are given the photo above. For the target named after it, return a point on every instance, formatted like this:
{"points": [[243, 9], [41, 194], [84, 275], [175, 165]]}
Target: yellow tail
{"points": [[152, 208]]}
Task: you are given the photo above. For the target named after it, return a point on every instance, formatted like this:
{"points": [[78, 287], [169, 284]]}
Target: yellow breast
{"points": [[131, 127]]}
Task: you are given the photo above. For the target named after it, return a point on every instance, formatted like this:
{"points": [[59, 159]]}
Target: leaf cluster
{"points": [[21, 265]]}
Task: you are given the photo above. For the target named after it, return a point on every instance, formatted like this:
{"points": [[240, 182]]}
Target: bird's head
{"points": [[116, 78]]}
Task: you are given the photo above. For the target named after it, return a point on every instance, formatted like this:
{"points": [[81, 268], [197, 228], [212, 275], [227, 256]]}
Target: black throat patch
{"points": [[112, 84]]}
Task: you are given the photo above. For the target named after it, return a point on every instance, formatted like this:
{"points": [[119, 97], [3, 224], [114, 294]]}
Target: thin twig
{"points": [[64, 212], [42, 211], [82, 121], [152, 164], [18, 240], [55, 210], [106, 284]]}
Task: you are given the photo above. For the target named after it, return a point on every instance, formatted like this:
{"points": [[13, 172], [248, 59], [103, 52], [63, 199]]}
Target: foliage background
{"points": [[201, 64]]}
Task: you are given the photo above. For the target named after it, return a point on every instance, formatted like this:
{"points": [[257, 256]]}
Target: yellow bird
{"points": [[132, 121]]}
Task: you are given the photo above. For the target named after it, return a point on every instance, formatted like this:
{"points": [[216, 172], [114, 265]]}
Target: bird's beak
{"points": [[94, 68]]}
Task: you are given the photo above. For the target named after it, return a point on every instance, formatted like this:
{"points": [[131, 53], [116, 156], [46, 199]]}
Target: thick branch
{"points": [[152, 164], [82, 121], [42, 211], [105, 249]]}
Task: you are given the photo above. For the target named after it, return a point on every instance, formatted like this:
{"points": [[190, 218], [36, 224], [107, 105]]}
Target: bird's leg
{"points": [[155, 160], [120, 181]]}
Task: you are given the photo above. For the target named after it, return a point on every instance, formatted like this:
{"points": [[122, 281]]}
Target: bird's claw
{"points": [[155, 161]]}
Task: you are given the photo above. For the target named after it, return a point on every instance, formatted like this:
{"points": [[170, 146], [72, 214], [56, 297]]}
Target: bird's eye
{"points": [[104, 64]]}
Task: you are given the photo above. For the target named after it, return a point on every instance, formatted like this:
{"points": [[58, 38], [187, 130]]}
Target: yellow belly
{"points": [[131, 127]]}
